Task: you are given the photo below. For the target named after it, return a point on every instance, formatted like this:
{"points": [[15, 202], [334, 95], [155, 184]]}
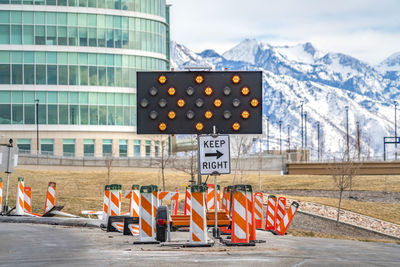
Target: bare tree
{"points": [[342, 172], [188, 163], [163, 157], [240, 146], [109, 162]]}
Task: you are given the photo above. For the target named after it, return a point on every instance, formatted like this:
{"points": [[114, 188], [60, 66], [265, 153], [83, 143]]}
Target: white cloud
{"points": [[366, 29]]}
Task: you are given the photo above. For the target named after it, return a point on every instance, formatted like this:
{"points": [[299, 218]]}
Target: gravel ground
{"points": [[364, 196]]}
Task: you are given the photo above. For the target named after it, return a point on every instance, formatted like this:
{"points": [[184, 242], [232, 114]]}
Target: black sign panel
{"points": [[193, 102]]}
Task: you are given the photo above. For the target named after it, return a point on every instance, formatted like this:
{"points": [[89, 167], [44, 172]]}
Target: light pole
{"points": [[395, 128], [288, 134], [347, 132], [37, 127], [280, 137], [267, 134], [305, 129], [318, 137], [358, 140], [302, 134]]}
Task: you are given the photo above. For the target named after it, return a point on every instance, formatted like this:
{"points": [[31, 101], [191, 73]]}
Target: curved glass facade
{"points": [[78, 59]]}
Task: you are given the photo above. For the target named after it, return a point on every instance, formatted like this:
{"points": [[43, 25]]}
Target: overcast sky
{"points": [[366, 29]]}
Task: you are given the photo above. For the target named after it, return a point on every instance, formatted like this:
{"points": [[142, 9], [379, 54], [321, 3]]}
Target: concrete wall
{"points": [[275, 164]]}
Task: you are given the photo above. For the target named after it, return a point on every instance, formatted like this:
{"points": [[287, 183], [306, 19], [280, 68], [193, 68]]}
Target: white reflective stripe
{"points": [[134, 228], [286, 220], [146, 216], [280, 215], [238, 208], [280, 203], [127, 192], [118, 226], [272, 201], [270, 220], [51, 190], [239, 233]]}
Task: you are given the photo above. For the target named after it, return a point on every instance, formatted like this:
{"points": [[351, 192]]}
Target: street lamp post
{"points": [[302, 133], [395, 128], [358, 141], [267, 134], [318, 137], [305, 129], [37, 127], [280, 137], [288, 134], [347, 133]]}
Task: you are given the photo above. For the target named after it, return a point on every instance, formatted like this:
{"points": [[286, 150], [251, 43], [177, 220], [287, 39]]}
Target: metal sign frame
{"points": [[216, 154]]}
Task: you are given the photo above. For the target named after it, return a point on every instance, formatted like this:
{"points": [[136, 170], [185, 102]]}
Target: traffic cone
{"points": [[50, 201], [287, 219], [258, 209], [19, 207], [270, 218], [198, 221], [27, 199]]}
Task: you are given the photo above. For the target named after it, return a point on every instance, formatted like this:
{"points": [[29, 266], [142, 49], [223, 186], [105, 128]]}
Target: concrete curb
{"points": [[350, 224], [74, 222]]}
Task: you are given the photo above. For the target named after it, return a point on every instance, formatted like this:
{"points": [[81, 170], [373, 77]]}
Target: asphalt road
{"points": [[40, 245]]}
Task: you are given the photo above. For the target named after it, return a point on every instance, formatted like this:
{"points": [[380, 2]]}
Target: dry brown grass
{"points": [[79, 189], [384, 211]]}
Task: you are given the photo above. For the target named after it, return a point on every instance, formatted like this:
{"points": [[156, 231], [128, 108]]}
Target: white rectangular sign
{"points": [[214, 154]]}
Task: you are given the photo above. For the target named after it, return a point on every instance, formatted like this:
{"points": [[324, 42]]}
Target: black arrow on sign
{"points": [[217, 154]]}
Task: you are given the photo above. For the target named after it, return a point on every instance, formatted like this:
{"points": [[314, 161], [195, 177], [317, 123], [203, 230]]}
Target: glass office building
{"points": [[70, 65]]}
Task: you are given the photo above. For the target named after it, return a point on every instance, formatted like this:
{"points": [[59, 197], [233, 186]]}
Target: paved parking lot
{"points": [[38, 245]]}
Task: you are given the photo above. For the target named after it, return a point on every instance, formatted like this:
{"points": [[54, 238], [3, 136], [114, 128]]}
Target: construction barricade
{"points": [[270, 218], [258, 209], [147, 213], [213, 203], [280, 210], [1, 195], [198, 220], [287, 219], [19, 207], [250, 213], [50, 201], [188, 202]]}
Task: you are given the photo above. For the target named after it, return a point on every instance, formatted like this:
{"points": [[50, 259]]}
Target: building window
{"points": [[47, 147], [123, 148], [88, 147], [148, 148], [107, 147], [156, 148], [69, 147], [24, 146], [136, 148]]}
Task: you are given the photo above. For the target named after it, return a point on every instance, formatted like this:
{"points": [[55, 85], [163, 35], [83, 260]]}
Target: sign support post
{"points": [[216, 229]]}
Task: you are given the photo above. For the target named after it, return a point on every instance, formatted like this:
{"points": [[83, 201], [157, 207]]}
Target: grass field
{"points": [[83, 189]]}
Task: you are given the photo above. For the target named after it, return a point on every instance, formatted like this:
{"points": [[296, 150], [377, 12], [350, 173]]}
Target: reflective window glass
{"points": [[63, 97], [16, 74], [5, 113], [83, 98], [4, 73], [73, 75], [51, 74], [52, 97], [52, 114], [84, 115], [42, 114], [29, 74], [83, 75], [29, 112], [94, 116], [111, 115], [63, 114], [17, 114], [74, 114], [102, 115]]}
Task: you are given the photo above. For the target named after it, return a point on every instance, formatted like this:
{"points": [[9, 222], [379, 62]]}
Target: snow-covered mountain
{"points": [[326, 82]]}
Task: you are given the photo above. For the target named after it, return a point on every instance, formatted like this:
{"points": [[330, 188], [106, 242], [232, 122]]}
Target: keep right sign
{"points": [[214, 154]]}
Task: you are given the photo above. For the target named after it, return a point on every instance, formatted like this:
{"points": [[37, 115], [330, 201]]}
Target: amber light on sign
{"points": [[171, 91], [199, 126], [217, 102], [162, 79], [245, 114], [245, 90], [236, 79], [181, 103], [254, 102], [199, 79], [171, 115], [162, 126], [208, 90], [208, 114], [236, 126]]}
